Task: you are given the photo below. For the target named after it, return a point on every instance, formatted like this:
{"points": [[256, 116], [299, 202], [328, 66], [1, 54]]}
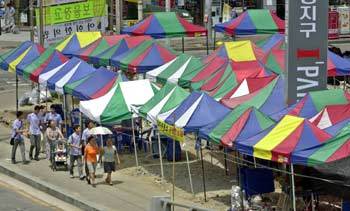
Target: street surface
{"points": [[20, 197]]}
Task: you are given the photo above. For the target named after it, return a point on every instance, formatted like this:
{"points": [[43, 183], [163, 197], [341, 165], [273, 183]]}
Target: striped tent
{"points": [[165, 100], [251, 22], [334, 149], [313, 103], [125, 44], [72, 70], [76, 42], [21, 56], [332, 118], [241, 123], [99, 46], [165, 24], [182, 65], [94, 85], [145, 57], [278, 143], [269, 100], [118, 103], [50, 59], [238, 51], [198, 110]]}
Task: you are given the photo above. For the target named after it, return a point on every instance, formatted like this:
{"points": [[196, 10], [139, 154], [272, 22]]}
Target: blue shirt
{"points": [[17, 125], [74, 139], [34, 124], [56, 117]]}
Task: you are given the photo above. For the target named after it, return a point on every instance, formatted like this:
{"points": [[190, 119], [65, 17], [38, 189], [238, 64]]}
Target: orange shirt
{"points": [[91, 152]]}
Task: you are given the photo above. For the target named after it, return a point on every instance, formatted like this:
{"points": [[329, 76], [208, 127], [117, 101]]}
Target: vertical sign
{"points": [[307, 42]]}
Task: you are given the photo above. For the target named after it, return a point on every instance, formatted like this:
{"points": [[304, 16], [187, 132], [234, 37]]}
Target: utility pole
{"points": [[41, 24], [118, 15], [139, 10], [31, 25], [167, 6], [207, 6]]}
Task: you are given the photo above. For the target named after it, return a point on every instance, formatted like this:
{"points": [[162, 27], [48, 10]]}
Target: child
{"points": [[110, 155]]}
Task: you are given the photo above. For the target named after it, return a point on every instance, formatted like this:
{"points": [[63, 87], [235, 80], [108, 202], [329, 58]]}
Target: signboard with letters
{"points": [[73, 12], [55, 2], [55, 33], [307, 42], [171, 131]]}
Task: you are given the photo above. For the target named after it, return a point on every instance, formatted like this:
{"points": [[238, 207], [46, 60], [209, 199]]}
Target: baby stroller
{"points": [[59, 155]]}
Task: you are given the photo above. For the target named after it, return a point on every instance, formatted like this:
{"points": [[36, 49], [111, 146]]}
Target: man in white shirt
{"points": [[35, 133]]}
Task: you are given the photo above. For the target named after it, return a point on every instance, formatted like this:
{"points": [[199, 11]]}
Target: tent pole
{"points": [[214, 44], [225, 161], [189, 172], [46, 103], [183, 44], [160, 156], [173, 194], [203, 175], [16, 93], [293, 188], [65, 114], [72, 102], [254, 162], [38, 100], [344, 83], [134, 140], [207, 44], [333, 81]]}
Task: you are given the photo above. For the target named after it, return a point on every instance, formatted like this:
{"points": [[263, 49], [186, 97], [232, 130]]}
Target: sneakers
{"points": [[71, 176], [82, 178], [37, 159]]}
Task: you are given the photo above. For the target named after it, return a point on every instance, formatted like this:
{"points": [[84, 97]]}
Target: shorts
{"points": [[109, 167], [91, 167]]}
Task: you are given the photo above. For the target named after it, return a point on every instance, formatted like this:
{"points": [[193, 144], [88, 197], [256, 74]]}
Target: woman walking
{"points": [[17, 139], [110, 156], [91, 152]]}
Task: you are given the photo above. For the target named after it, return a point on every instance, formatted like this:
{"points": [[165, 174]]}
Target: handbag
{"points": [[12, 141]]}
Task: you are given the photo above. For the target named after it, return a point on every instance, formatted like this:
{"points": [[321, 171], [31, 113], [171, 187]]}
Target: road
{"points": [[17, 196]]}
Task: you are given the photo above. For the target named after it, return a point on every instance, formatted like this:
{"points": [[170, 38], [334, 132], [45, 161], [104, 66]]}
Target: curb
{"points": [[50, 189]]}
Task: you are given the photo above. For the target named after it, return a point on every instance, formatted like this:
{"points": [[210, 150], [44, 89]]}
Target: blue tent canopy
{"points": [[195, 112]]}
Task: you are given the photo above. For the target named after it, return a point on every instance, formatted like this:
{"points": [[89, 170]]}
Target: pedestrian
{"points": [[10, 17], [75, 143], [53, 133], [87, 133], [53, 115], [91, 152], [17, 138], [35, 133], [110, 157]]}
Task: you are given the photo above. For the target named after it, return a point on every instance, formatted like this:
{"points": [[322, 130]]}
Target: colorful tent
{"points": [[94, 85], [198, 110], [144, 57], [167, 99], [269, 100], [251, 22], [76, 42], [272, 42], [125, 44], [238, 51], [99, 46], [72, 70], [21, 56], [175, 69], [50, 59], [275, 59], [165, 24], [291, 134], [313, 103], [334, 149], [221, 71], [117, 104], [241, 123]]}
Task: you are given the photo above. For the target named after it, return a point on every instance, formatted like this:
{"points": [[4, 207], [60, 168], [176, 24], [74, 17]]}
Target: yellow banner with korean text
{"points": [[171, 131]]}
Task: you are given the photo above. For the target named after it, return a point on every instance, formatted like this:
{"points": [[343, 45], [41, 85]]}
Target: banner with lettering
{"points": [[171, 131]]}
